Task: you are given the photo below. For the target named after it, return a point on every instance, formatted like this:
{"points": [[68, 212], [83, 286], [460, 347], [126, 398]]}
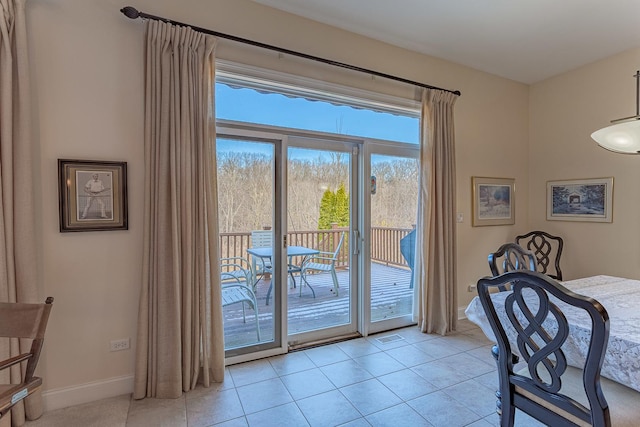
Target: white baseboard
{"points": [[461, 314], [88, 392]]}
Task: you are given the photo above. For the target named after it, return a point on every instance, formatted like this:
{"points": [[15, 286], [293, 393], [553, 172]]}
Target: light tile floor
{"points": [[419, 380]]}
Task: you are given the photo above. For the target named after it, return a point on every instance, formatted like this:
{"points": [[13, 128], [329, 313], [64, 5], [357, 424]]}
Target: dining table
{"points": [[266, 253], [619, 296]]}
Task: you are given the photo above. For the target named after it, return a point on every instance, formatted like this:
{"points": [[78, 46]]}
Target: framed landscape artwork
{"points": [[92, 195], [580, 200], [493, 201]]}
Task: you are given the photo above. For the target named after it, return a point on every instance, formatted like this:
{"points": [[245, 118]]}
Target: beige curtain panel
{"points": [[436, 243], [180, 331], [18, 277]]}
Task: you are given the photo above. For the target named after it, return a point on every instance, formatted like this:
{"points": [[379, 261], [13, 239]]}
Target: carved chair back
{"points": [[540, 331], [510, 257], [547, 250]]}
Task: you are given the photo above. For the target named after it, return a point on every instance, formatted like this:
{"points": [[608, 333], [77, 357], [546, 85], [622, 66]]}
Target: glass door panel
{"points": [[320, 204], [394, 205], [246, 171]]}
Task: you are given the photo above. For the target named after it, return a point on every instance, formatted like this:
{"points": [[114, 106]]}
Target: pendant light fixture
{"points": [[623, 136]]}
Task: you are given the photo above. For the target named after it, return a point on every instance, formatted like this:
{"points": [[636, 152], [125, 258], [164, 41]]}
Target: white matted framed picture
{"points": [[92, 195], [580, 200], [493, 201]]}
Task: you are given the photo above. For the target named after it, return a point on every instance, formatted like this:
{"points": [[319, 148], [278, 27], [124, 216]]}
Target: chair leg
{"points": [[269, 290], [293, 279], [504, 404], [508, 412], [257, 325], [334, 276], [495, 353], [255, 312], [303, 278]]}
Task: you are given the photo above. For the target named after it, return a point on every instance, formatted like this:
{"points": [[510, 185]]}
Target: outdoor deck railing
{"points": [[385, 244]]}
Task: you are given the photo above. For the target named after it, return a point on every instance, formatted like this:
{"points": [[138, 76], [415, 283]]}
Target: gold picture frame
{"points": [[92, 195], [493, 201]]}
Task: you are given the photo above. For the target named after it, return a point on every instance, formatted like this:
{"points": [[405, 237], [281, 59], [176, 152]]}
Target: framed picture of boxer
{"points": [[92, 195]]}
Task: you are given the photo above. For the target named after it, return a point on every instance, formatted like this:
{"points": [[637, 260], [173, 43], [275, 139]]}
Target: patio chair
{"points": [[261, 266], [237, 286], [20, 320], [408, 251], [237, 267], [510, 257], [546, 248], [323, 262]]}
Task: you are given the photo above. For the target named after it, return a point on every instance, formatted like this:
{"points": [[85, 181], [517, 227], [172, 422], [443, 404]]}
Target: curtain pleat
{"points": [[436, 243], [18, 271], [180, 331]]}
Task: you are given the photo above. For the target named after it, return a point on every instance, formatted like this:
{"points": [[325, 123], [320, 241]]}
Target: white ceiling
{"points": [[523, 40]]}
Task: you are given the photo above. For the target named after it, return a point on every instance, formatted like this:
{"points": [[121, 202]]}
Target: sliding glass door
{"points": [[393, 206], [322, 194], [249, 209], [291, 214], [288, 239]]}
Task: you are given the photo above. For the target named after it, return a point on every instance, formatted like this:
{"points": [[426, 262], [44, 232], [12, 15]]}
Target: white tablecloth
{"points": [[620, 297]]}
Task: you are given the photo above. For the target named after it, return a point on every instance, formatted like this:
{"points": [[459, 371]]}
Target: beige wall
{"points": [[87, 64], [565, 110]]}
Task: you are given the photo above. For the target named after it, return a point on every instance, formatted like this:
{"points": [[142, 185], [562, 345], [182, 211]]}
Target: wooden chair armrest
{"points": [[14, 360]]}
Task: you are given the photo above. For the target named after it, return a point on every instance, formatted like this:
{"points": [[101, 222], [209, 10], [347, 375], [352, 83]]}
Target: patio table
{"points": [[265, 253]]}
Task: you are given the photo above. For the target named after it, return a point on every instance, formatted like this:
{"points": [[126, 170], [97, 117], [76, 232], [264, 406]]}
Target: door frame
{"points": [[353, 149], [278, 345], [367, 327]]}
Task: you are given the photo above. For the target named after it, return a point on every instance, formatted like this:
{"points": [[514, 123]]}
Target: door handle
{"points": [[356, 243]]}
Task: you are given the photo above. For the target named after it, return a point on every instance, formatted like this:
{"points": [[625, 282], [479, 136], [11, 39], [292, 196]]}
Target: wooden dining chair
{"points": [[510, 257], [547, 388], [546, 248], [26, 321]]}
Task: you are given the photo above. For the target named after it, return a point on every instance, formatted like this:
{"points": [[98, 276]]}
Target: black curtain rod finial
{"points": [[130, 12]]}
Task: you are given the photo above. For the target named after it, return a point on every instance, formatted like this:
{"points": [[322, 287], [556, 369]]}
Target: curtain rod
{"points": [[132, 13]]}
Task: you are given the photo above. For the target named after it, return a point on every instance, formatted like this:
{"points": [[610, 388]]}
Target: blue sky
{"points": [[249, 105]]}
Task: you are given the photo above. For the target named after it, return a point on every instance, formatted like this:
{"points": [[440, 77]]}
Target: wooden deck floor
{"points": [[391, 297]]}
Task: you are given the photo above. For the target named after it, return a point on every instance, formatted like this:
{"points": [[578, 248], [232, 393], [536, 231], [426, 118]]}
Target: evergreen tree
{"points": [[334, 208], [342, 207], [327, 210]]}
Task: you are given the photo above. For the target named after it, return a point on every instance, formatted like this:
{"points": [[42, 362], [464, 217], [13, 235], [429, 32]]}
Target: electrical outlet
{"points": [[122, 344], [472, 287]]}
